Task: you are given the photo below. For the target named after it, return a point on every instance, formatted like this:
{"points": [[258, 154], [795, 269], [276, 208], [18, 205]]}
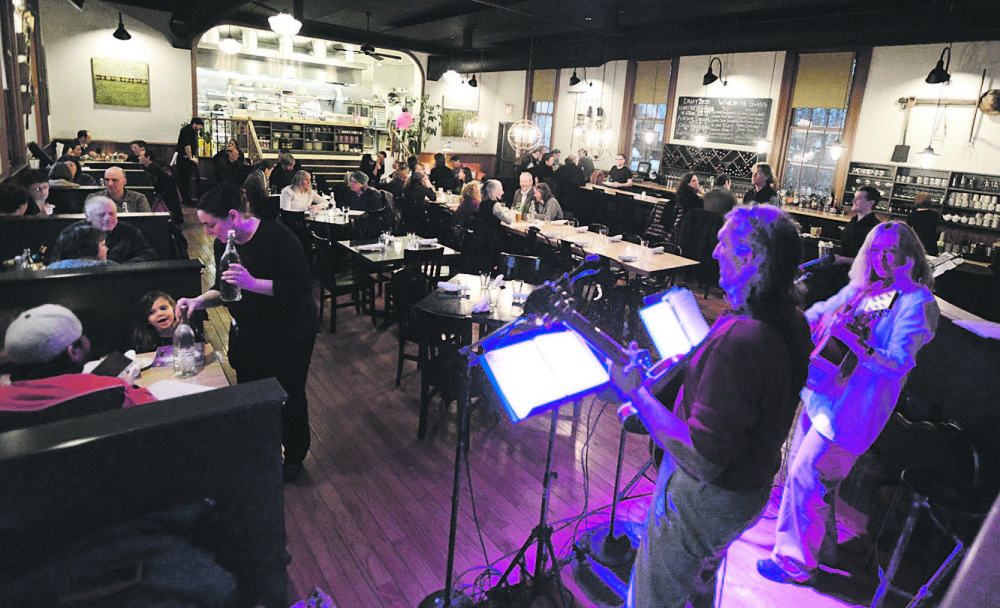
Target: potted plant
{"points": [[424, 125]]}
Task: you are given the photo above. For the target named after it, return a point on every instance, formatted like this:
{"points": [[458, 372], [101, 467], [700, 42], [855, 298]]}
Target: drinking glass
{"points": [[603, 232], [517, 292], [484, 280], [494, 296]]}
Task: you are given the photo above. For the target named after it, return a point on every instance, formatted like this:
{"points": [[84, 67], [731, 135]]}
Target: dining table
{"points": [[211, 375], [379, 258], [634, 258], [468, 293]]}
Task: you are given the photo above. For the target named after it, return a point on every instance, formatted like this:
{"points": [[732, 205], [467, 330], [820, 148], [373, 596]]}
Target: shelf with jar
{"points": [[974, 210], [975, 183], [860, 175]]}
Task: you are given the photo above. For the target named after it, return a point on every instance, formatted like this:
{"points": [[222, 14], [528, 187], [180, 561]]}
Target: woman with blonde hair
{"points": [[469, 205], [881, 319]]}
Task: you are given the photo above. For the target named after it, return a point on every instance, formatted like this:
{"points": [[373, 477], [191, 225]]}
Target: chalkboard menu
{"points": [[723, 120]]}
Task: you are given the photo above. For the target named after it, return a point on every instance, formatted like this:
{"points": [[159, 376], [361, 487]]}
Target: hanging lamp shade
{"points": [[710, 76], [230, 45], [574, 79], [121, 33], [284, 24], [477, 131], [524, 135]]}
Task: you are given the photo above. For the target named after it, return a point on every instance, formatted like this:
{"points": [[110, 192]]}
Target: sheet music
{"points": [[675, 324]]}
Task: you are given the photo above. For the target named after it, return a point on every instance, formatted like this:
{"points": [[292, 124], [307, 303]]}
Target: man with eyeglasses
{"points": [[620, 176]]}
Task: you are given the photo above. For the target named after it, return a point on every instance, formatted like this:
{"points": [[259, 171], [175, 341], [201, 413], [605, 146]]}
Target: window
{"points": [[809, 166], [647, 135], [542, 113]]}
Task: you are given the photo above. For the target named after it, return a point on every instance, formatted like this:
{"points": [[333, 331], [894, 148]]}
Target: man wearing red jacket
{"points": [[48, 349]]}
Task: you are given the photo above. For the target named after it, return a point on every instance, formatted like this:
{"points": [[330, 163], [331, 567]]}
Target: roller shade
{"points": [[544, 86], [823, 80], [648, 75]]}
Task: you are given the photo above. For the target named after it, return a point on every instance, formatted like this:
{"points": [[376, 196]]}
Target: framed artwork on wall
{"points": [[120, 83], [453, 122]]}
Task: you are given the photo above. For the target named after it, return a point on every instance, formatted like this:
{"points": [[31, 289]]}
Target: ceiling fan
{"points": [[368, 48]]}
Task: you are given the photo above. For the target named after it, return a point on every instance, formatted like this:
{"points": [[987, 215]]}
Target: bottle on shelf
{"points": [[230, 292], [184, 351]]}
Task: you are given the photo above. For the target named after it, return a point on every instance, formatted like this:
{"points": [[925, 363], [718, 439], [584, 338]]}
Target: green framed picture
{"points": [[120, 83], [453, 122]]}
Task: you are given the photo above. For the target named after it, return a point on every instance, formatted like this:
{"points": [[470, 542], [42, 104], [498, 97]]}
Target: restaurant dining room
{"points": [[501, 304]]}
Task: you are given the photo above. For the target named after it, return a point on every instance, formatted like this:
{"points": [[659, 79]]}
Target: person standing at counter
{"points": [[275, 324], [762, 192], [187, 160], [924, 221], [845, 409], [720, 198], [620, 176], [856, 231], [586, 163]]}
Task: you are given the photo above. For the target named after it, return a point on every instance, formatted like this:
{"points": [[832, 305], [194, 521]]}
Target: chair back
{"points": [[367, 225], [655, 228], [296, 222], [633, 238], [427, 261], [673, 248], [479, 246], [596, 228], [409, 284], [392, 217], [324, 253], [520, 267]]}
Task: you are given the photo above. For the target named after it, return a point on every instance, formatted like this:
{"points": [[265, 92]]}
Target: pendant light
{"points": [[928, 154], [650, 134], [229, 45], [477, 130], [598, 138], [837, 148], [764, 144], [284, 24], [574, 79], [524, 134], [121, 33]]}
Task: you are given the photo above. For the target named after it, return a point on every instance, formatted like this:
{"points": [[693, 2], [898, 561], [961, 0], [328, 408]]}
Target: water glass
{"points": [[484, 280], [494, 296], [517, 292]]}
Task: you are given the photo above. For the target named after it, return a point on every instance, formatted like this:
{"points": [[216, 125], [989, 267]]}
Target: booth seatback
{"points": [[105, 298], [76, 478], [20, 232]]}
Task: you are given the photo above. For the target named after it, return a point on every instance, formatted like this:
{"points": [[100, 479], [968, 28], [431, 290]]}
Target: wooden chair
{"points": [[631, 237], [367, 225], [520, 267], [478, 247], [440, 371], [334, 283], [409, 285]]}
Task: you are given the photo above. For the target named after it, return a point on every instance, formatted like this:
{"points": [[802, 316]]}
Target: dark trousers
{"points": [[186, 171], [292, 378]]}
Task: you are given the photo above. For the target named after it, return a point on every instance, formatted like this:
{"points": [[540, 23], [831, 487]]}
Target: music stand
{"points": [[553, 381]]}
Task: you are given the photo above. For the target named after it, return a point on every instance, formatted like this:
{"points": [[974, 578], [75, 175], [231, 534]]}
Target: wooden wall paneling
{"points": [[625, 133], [862, 63], [675, 67], [783, 115]]}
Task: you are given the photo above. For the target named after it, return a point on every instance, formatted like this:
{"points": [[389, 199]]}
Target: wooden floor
{"points": [[368, 519]]}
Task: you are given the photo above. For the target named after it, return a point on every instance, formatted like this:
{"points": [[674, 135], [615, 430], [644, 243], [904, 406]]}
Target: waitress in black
{"points": [[275, 320]]}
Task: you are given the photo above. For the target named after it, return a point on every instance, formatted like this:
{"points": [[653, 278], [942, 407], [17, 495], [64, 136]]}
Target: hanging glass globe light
{"points": [[524, 135], [477, 131]]}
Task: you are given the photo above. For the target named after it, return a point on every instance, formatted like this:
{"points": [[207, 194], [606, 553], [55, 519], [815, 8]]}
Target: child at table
{"points": [[155, 322]]}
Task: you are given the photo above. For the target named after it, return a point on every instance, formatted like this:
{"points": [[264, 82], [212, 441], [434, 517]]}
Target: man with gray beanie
{"points": [[362, 198], [48, 349]]}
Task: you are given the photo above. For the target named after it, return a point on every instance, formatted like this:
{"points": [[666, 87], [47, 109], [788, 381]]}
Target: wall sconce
{"points": [[710, 77], [120, 33], [574, 79], [473, 82], [940, 72]]}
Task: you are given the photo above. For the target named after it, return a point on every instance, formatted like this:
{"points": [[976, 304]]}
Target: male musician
{"points": [[733, 413]]}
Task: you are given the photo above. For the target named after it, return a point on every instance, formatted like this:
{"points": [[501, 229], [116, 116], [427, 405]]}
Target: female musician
{"points": [[845, 409]]}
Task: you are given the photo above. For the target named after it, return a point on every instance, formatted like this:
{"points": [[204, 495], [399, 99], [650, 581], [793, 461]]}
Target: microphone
{"points": [[820, 262]]}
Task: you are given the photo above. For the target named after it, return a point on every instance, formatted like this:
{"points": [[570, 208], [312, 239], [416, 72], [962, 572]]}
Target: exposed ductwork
{"points": [[280, 67]]}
